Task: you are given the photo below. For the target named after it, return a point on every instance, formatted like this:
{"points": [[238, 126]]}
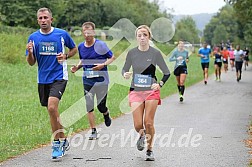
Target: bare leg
{"points": [[91, 119], [150, 110], [57, 129], [138, 111]]}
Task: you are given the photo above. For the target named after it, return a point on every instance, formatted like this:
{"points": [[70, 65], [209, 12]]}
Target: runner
{"points": [[246, 57], [46, 47], [232, 58], [94, 58], [218, 63], [180, 55], [144, 95], [204, 54], [225, 55], [238, 62]]}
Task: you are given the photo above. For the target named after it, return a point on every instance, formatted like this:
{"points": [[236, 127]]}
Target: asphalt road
{"points": [[206, 130]]}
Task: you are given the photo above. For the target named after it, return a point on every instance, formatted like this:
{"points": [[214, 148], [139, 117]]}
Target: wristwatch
{"points": [[161, 83], [66, 56]]}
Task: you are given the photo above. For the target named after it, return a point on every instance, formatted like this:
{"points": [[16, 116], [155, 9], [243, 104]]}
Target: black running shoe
{"points": [[107, 120]]}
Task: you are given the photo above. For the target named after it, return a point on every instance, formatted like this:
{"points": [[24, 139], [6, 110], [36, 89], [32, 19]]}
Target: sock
{"points": [[107, 115], [179, 89], [93, 129], [182, 88]]}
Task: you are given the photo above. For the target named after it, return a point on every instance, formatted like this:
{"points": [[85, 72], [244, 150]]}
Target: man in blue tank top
{"points": [[46, 46]]}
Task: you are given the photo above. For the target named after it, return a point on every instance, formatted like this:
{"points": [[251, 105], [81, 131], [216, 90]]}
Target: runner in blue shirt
{"points": [[46, 47], [94, 58], [204, 53], [180, 55]]}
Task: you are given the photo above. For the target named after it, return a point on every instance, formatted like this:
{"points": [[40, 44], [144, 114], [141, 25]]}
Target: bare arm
{"points": [[30, 58], [76, 67], [107, 62], [72, 52]]}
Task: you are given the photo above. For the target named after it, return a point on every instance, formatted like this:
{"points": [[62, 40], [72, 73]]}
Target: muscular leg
{"points": [[150, 110], [57, 129], [137, 109]]}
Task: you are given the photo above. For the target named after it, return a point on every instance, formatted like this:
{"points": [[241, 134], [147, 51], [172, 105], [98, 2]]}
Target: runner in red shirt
{"points": [[225, 54]]}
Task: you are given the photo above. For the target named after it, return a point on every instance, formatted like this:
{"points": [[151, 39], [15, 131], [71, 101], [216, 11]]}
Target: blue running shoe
{"points": [[56, 150], [65, 146]]}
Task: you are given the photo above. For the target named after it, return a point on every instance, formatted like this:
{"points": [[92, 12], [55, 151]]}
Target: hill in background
{"points": [[201, 19]]}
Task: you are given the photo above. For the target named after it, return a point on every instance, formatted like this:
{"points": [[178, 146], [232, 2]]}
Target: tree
{"points": [[220, 34], [186, 30], [243, 14], [222, 27]]}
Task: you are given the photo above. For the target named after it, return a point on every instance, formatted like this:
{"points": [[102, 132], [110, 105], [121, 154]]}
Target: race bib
{"points": [[47, 48], [180, 62], [224, 59], [89, 73], [218, 60], [142, 80]]}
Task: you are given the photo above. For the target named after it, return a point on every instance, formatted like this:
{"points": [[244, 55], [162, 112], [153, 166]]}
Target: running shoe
{"points": [[56, 150], [65, 146], [141, 143], [181, 98], [93, 135], [149, 156], [107, 120]]}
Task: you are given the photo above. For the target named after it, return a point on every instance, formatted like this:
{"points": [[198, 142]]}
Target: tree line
{"points": [[105, 13], [233, 22], [68, 13]]}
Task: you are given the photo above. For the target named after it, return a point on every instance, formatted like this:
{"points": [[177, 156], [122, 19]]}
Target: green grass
{"points": [[25, 124]]}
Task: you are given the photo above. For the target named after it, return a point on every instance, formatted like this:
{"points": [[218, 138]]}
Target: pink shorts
{"points": [[142, 96]]}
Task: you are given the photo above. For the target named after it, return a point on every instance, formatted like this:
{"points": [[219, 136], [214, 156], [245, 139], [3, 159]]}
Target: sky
{"points": [[189, 7]]}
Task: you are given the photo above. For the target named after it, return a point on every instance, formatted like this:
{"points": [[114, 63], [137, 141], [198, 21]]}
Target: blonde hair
{"points": [[43, 10], [89, 24], [144, 27]]}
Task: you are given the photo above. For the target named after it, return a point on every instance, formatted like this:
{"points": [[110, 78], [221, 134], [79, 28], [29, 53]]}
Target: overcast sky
{"points": [[193, 6]]}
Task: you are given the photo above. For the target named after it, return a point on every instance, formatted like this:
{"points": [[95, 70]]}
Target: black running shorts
{"points": [[180, 70], [219, 64], [55, 89], [204, 65]]}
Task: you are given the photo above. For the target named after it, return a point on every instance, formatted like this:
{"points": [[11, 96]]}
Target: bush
{"points": [[15, 30]]}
